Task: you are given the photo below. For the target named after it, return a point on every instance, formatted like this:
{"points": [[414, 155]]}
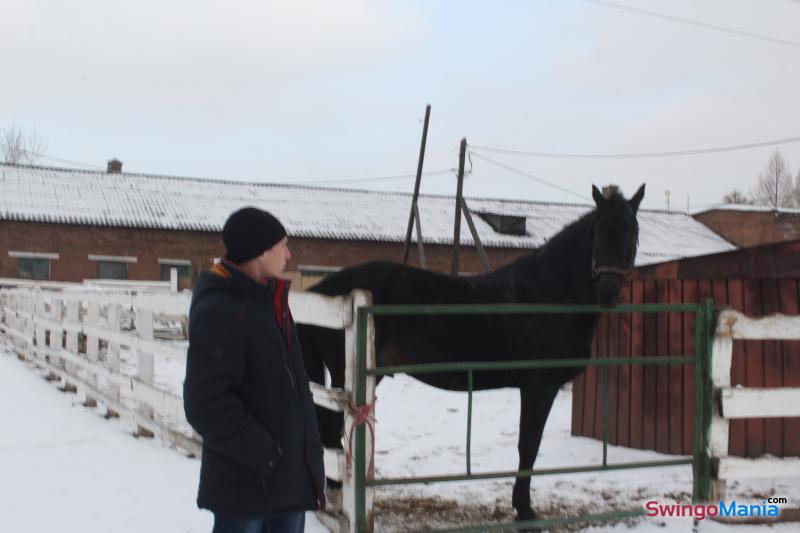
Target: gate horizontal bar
{"points": [[522, 309], [430, 368], [525, 473]]}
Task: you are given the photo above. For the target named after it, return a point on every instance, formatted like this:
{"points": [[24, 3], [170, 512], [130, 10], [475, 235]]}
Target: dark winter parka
{"points": [[247, 394]]}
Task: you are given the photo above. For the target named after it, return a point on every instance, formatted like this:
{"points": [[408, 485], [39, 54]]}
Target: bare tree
{"points": [[775, 188], [797, 190], [19, 146], [736, 197]]}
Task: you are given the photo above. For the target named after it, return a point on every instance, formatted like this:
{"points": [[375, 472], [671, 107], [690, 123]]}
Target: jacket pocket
{"points": [[231, 472]]}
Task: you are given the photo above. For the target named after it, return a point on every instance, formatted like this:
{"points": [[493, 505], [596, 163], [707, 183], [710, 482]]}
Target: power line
{"points": [[57, 159], [678, 153], [694, 23], [529, 176], [293, 182], [362, 180]]}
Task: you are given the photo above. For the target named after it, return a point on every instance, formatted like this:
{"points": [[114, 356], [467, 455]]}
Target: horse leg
{"points": [[536, 401]]}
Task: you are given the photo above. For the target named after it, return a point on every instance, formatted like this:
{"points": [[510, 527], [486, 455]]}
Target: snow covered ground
{"points": [[65, 468], [422, 431]]}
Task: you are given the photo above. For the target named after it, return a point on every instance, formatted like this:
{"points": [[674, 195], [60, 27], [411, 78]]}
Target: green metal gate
{"points": [[700, 460]]}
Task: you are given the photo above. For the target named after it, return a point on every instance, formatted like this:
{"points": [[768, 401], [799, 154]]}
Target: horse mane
{"points": [[551, 270]]}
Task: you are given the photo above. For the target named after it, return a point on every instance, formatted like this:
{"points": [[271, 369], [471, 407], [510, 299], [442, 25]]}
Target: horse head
{"points": [[615, 236]]}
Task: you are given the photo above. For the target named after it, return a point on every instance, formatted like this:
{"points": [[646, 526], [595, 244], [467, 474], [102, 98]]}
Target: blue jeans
{"points": [[285, 523]]}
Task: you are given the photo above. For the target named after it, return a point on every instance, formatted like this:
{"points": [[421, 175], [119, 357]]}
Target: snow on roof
{"points": [[748, 208], [70, 196]]}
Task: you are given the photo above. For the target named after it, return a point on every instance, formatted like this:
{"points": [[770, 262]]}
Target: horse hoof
{"points": [[525, 515]]}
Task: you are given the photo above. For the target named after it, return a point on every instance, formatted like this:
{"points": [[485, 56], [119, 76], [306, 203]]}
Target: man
{"points": [[246, 391]]}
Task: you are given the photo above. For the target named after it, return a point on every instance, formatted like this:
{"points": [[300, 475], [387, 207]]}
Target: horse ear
{"points": [[599, 201], [637, 198]]}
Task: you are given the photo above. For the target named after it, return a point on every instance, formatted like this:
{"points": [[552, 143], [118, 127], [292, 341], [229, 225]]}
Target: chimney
{"points": [[115, 167], [608, 190]]}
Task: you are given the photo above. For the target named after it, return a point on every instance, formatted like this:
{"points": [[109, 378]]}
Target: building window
{"points": [[31, 268], [505, 224], [112, 266], [184, 268], [184, 271], [112, 270], [33, 265]]}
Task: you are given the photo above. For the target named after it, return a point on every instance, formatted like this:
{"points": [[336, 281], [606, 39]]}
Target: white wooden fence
{"points": [[739, 402], [106, 343]]}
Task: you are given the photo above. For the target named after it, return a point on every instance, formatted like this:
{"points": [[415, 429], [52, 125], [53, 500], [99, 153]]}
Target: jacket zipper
{"points": [[289, 372]]}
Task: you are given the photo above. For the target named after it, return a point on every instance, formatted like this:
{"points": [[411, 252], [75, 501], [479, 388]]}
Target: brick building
{"points": [[71, 225], [751, 225]]}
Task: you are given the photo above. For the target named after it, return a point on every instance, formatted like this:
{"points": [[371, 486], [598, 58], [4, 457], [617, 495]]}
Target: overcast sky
{"points": [[310, 91]]}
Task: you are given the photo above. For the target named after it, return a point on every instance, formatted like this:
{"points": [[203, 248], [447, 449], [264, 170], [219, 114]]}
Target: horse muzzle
{"points": [[608, 288]]}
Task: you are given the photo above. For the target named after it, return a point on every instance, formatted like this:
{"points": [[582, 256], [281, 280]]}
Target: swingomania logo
{"points": [[768, 508]]}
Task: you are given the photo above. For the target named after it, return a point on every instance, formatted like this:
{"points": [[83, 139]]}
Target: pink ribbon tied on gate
{"points": [[362, 415]]}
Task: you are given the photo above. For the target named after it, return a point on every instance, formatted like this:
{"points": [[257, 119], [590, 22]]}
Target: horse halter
{"points": [[599, 270], [607, 269]]}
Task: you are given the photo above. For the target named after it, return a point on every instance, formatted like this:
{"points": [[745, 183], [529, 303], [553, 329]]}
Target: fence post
{"points": [[348, 487], [30, 323], [354, 495], [709, 397], [57, 311], [360, 354], [721, 356], [92, 342], [145, 365], [38, 329], [112, 360], [39, 336], [145, 373], [73, 320], [92, 348], [144, 323], [57, 316], [112, 315]]}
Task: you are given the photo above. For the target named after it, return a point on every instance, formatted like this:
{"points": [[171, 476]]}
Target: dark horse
{"points": [[585, 263]]}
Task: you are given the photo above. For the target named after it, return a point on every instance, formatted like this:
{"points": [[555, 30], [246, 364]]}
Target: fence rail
{"points": [[104, 342], [107, 343], [738, 402]]}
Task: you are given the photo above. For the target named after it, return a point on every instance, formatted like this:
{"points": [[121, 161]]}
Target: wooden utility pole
{"points": [[475, 237], [414, 214], [457, 229], [420, 247]]}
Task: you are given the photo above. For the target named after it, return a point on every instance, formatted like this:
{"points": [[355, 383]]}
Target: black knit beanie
{"points": [[248, 232]]}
